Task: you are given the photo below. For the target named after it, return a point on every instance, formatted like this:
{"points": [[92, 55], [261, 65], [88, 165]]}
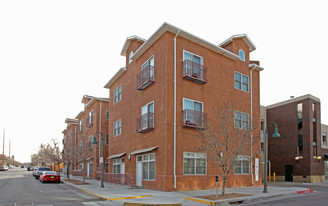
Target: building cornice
{"points": [[296, 99]]}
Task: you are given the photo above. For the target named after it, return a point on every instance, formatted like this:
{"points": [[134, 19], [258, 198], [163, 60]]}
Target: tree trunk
{"points": [[223, 184], [68, 168]]}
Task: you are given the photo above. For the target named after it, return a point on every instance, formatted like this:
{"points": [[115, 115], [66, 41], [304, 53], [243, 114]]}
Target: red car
{"points": [[49, 176]]}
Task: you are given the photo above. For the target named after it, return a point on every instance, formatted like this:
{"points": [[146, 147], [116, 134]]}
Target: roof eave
{"points": [[115, 77], [169, 28], [128, 41]]}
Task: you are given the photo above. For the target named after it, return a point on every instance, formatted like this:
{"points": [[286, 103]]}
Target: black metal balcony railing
{"points": [[194, 72], [145, 122], [194, 119], [89, 121], [145, 78]]}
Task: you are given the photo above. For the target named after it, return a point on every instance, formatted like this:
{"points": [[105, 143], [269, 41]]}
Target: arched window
{"points": [[130, 56], [241, 55]]}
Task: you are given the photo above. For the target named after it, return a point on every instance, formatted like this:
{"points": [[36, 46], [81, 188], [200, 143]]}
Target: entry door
{"points": [[139, 171], [289, 173], [122, 171]]}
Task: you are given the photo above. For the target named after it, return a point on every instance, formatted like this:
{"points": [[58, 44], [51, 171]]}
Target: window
{"points": [[148, 166], [194, 163], [241, 166], [90, 117], [130, 57], [106, 166], [192, 57], [149, 62], [241, 82], [81, 143], [147, 118], [241, 55], [107, 114], [118, 94], [81, 166], [107, 139], [324, 139], [193, 65], [81, 125], [192, 105], [117, 128], [241, 120], [117, 165]]}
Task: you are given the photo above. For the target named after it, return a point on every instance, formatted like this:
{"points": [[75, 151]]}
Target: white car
{"points": [[6, 167]]}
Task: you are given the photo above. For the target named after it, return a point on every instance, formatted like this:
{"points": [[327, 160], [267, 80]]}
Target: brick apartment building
{"points": [[301, 153], [171, 84], [78, 137]]}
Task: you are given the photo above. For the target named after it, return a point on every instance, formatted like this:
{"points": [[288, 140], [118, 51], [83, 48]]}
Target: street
{"points": [[318, 197], [19, 187]]}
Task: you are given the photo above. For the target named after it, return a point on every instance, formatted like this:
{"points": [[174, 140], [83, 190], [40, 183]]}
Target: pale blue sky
{"points": [[54, 52]]}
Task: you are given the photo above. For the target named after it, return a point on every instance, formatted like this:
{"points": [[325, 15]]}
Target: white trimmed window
{"points": [[81, 125], [117, 165], [241, 120], [90, 117], [241, 82], [117, 128], [241, 55], [194, 163], [148, 166], [118, 94], [241, 166], [130, 57], [324, 139]]}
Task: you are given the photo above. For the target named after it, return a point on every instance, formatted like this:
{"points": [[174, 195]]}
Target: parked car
{"points": [[22, 166], [11, 167], [49, 176], [2, 168], [30, 168], [34, 171], [40, 170], [6, 167]]}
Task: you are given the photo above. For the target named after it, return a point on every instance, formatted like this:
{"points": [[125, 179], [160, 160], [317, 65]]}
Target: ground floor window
{"points": [[194, 163], [81, 166], [90, 167], [241, 167], [148, 166], [117, 165], [106, 166]]}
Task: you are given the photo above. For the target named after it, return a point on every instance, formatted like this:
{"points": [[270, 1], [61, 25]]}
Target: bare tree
{"points": [[226, 139]]}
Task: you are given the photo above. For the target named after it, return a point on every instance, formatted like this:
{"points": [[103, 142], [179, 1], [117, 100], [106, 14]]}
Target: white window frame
{"points": [[117, 125], [117, 165], [81, 125], [243, 55], [240, 159], [117, 94], [91, 117], [130, 57], [241, 81], [148, 161], [242, 120], [183, 105], [193, 54], [196, 155]]}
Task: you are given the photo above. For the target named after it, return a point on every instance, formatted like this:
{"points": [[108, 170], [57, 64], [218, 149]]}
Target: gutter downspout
{"points": [[251, 77], [175, 111]]}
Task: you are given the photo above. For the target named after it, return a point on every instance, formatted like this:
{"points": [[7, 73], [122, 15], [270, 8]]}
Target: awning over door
{"points": [[143, 150], [116, 156]]}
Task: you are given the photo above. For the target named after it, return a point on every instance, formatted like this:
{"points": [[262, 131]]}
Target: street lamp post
{"points": [[101, 155], [275, 134]]}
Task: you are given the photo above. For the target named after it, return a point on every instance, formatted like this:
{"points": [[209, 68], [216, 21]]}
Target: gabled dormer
{"points": [[130, 46], [240, 45]]}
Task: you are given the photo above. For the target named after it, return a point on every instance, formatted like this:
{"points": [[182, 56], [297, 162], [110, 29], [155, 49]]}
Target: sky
{"points": [[54, 52]]}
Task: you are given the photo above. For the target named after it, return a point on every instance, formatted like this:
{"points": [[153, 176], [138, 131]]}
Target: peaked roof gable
{"points": [[244, 37]]}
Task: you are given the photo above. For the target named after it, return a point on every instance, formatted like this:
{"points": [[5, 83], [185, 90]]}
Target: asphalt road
{"points": [[19, 187], [319, 196]]}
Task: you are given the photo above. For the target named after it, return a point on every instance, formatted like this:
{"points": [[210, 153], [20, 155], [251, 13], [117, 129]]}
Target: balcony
{"points": [[145, 122], [89, 121], [194, 72], [194, 119], [145, 78]]}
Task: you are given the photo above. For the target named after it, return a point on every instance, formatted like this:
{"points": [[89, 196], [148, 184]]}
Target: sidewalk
{"points": [[118, 195]]}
